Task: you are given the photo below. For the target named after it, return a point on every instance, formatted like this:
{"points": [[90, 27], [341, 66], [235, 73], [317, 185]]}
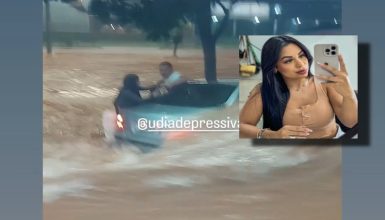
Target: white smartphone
{"points": [[326, 54]]}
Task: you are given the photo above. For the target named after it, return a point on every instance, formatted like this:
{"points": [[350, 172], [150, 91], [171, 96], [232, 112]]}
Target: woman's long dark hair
{"points": [[274, 91], [131, 83]]}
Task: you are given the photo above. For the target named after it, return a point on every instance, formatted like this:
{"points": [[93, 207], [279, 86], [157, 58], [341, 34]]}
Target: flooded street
{"points": [[199, 175]]}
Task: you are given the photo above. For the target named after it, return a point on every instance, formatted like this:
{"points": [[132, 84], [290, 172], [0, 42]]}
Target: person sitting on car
{"points": [[170, 79], [129, 94]]}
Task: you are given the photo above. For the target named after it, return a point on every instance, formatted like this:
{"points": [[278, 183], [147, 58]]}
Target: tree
{"points": [[208, 37], [158, 17], [77, 4]]}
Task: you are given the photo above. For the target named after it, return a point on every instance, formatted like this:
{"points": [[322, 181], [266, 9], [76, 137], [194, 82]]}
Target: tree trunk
{"points": [[48, 40], [203, 22], [209, 54]]}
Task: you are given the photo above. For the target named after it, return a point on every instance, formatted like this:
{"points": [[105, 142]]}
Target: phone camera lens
{"points": [[333, 53], [327, 50], [326, 63], [333, 47]]}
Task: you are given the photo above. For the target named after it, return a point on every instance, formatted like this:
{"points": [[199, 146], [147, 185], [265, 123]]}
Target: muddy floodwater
{"points": [[197, 175]]}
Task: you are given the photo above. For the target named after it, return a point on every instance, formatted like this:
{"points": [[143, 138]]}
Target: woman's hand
{"points": [[340, 80], [292, 132], [341, 94]]}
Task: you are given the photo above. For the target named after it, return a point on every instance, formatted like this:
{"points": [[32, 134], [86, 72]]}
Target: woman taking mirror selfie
{"points": [[292, 101]]}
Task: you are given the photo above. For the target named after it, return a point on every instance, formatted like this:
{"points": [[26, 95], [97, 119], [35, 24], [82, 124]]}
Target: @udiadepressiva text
{"points": [[182, 124]]}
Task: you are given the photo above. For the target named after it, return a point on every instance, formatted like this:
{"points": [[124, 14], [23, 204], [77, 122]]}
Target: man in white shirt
{"points": [[170, 79]]}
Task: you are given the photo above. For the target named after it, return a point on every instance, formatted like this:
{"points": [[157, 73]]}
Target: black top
{"points": [[128, 95]]}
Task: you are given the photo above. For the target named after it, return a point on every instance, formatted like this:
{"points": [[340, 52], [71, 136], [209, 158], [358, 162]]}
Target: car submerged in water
{"points": [[186, 101]]}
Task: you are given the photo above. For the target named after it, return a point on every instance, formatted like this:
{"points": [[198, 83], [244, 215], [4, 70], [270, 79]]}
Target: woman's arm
{"points": [[251, 114], [341, 95], [345, 107], [152, 87], [116, 105]]}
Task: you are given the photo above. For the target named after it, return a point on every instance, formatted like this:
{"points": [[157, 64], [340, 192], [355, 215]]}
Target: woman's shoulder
{"points": [[255, 91], [323, 86]]}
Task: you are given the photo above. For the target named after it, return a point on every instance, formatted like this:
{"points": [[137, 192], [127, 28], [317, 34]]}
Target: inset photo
{"points": [[298, 87]]}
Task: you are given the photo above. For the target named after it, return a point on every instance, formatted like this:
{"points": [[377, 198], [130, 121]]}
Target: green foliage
{"points": [[111, 11], [155, 17], [158, 18]]}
